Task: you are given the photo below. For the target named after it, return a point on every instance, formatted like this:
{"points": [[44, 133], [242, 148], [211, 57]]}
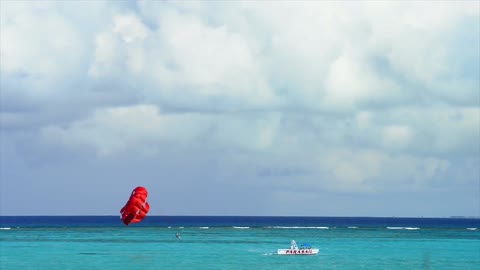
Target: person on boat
{"points": [[293, 245]]}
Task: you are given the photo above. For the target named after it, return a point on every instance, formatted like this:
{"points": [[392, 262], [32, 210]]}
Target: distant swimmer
{"points": [[178, 236]]}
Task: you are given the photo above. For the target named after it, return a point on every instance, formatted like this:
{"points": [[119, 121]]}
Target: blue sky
{"points": [[240, 108]]}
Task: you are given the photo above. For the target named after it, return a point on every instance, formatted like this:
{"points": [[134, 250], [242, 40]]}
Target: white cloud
{"points": [[416, 39], [351, 171], [210, 61], [396, 136], [111, 131], [108, 56], [130, 28], [351, 81], [143, 129], [436, 130], [360, 170], [441, 129], [121, 49], [43, 46], [314, 55]]}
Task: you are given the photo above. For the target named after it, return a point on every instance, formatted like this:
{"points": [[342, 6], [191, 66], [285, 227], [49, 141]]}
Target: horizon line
{"points": [[283, 216]]}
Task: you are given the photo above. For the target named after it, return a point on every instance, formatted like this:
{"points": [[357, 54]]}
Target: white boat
{"points": [[304, 249]]}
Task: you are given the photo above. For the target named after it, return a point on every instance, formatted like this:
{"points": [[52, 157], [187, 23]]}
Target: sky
{"points": [[313, 108]]}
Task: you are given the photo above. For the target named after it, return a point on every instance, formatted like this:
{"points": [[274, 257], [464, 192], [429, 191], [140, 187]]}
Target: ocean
{"points": [[236, 242]]}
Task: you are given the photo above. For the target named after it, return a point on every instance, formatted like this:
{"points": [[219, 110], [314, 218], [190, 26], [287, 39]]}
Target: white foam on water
{"points": [[6, 228], [472, 229], [298, 227], [403, 228], [203, 227], [240, 227], [353, 227]]}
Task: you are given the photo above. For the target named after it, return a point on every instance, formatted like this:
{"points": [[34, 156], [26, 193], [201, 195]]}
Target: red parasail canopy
{"points": [[137, 206]]}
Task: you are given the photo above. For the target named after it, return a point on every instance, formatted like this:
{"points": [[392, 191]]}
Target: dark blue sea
{"points": [[237, 242]]}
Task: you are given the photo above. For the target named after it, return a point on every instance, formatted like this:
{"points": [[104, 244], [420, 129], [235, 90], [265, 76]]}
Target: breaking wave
{"points": [[403, 228], [298, 227]]}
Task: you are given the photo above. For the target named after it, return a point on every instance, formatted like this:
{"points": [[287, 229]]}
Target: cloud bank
{"points": [[274, 104]]}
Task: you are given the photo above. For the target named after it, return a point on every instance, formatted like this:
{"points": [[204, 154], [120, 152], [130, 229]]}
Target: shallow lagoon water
{"points": [[238, 243]]}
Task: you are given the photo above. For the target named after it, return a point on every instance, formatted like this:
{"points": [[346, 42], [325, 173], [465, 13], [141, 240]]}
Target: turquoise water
{"points": [[230, 247]]}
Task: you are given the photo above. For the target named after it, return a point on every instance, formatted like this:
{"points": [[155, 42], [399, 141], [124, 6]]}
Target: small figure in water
{"points": [[178, 236]]}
